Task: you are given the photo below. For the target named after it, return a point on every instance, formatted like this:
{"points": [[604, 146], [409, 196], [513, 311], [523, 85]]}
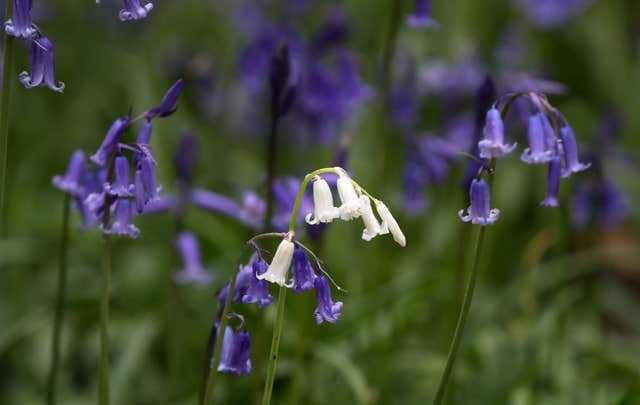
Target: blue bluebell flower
{"points": [[421, 17], [168, 104], [303, 274], [193, 271], [133, 10], [258, 290], [121, 222], [539, 150], [41, 62], [479, 212], [234, 358], [122, 186], [243, 280], [327, 310], [553, 183], [71, 182], [20, 23], [185, 157], [492, 145], [549, 14], [570, 149], [110, 142]]}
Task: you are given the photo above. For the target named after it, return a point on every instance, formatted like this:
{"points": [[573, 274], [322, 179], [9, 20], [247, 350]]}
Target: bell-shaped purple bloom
{"points": [[553, 183], [122, 186], [41, 62], [110, 142], [493, 146], [303, 275], [168, 104], [133, 10], [570, 149], [71, 181], [185, 158], [144, 134], [234, 358], [479, 212], [538, 151], [20, 24], [421, 17], [258, 290], [121, 222], [221, 204], [612, 204], [327, 310], [243, 279], [193, 271], [415, 181], [145, 187]]}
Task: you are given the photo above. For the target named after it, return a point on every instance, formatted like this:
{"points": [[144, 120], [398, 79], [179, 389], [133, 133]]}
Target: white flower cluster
{"points": [[355, 203]]}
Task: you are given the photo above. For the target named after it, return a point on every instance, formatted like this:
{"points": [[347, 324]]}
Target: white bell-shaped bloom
{"points": [[350, 207], [389, 223], [371, 225], [323, 210], [277, 271]]}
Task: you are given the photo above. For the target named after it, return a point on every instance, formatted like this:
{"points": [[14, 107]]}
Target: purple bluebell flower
{"points": [[146, 189], [333, 31], [122, 186], [415, 180], [41, 62], [20, 23], [284, 192], [144, 134], [303, 274], [71, 182], [234, 358], [538, 151], [193, 272], [549, 14], [258, 290], [121, 222], [110, 142], [251, 213], [553, 183], [580, 211], [570, 148], [243, 280], [133, 10], [421, 17], [493, 146], [612, 205], [168, 104], [327, 310], [185, 158], [479, 212]]}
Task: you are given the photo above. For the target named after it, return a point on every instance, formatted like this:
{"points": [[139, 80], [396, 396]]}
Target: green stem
{"points": [[104, 322], [275, 344], [208, 396], [5, 97], [457, 336], [59, 306]]}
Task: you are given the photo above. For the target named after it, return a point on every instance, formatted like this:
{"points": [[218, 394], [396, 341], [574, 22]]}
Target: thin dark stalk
{"points": [[462, 318], [275, 344], [59, 305], [5, 97], [390, 49], [104, 321]]}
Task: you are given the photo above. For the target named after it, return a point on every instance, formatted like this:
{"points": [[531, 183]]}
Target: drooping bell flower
{"points": [[185, 158], [20, 23], [145, 187], [372, 227], [121, 222], [122, 186], [234, 358], [133, 10], [110, 142], [538, 151], [327, 310], [258, 290], [41, 63], [168, 104], [570, 149], [71, 182], [389, 224], [553, 183], [421, 17], [303, 275], [479, 212], [277, 271], [492, 145], [193, 271], [350, 208], [243, 280], [323, 209]]}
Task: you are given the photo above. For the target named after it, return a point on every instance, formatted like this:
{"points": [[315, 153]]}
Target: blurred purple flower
{"points": [[168, 104], [122, 186], [110, 142], [71, 182], [133, 10], [121, 222], [549, 14], [193, 271], [41, 62], [421, 17]]}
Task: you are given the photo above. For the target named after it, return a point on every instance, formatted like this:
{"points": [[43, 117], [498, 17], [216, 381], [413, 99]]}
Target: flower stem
{"points": [[104, 322], [208, 396], [457, 336], [59, 306], [275, 344], [7, 59]]}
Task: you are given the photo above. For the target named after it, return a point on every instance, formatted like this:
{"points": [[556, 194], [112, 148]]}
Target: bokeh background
{"points": [[555, 315]]}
